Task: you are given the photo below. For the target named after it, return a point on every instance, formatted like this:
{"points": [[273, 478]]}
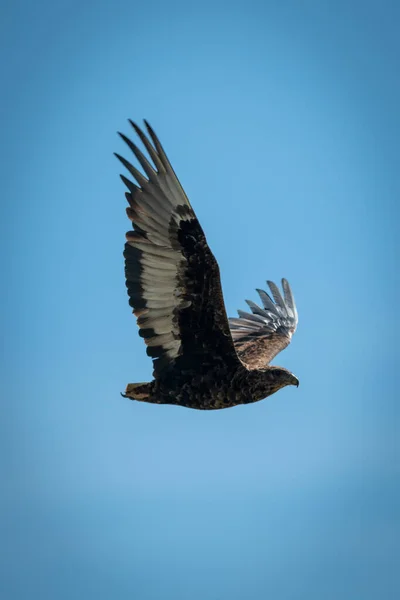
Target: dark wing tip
{"points": [[124, 138], [120, 158], [136, 127], [123, 160], [152, 133]]}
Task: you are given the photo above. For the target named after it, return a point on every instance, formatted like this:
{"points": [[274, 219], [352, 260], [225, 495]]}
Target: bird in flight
{"points": [[201, 359]]}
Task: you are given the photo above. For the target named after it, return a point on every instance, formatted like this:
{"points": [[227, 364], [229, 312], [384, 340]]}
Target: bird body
{"points": [[217, 386], [201, 360]]}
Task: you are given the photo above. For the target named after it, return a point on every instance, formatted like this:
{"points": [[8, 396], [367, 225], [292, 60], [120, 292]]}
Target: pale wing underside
{"points": [[260, 335], [172, 277]]}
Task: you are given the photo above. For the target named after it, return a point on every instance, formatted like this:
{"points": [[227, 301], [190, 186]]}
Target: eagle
{"points": [[201, 358]]}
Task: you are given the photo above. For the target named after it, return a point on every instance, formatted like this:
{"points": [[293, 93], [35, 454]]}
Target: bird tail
{"points": [[138, 391]]}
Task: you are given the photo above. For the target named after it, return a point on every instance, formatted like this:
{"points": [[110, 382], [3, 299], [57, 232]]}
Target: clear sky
{"points": [[281, 120]]}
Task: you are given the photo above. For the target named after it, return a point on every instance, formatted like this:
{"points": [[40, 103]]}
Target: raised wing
{"points": [[172, 277], [263, 333]]}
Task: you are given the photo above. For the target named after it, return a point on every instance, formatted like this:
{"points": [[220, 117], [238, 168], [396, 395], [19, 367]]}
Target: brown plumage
{"points": [[201, 360]]}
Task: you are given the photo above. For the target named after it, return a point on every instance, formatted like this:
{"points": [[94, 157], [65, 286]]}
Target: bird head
{"points": [[280, 377]]}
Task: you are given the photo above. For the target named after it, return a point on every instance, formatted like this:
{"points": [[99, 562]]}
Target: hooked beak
{"points": [[294, 381]]}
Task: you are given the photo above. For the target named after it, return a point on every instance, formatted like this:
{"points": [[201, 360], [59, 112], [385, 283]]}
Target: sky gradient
{"points": [[281, 120]]}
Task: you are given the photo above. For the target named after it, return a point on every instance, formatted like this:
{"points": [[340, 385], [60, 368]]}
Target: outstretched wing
{"points": [[261, 335], [172, 277]]}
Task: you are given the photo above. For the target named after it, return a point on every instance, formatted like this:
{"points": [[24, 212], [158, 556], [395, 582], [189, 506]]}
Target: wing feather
{"points": [[261, 335], [172, 277]]}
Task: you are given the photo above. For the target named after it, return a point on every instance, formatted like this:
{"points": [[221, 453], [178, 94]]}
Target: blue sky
{"points": [[281, 120]]}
